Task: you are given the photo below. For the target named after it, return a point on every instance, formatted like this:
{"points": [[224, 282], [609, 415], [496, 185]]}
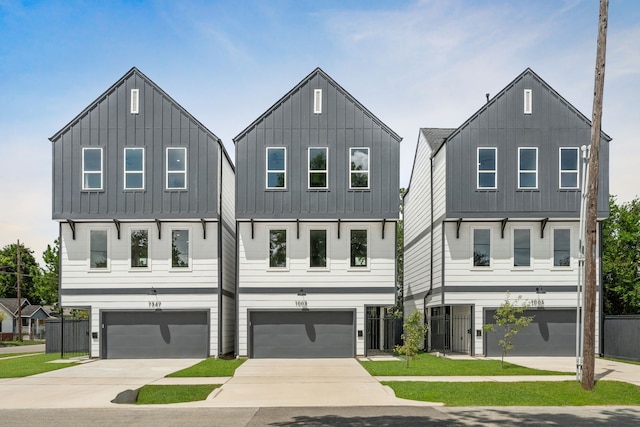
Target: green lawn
{"points": [[162, 394], [548, 393], [25, 366], [430, 365], [210, 367]]}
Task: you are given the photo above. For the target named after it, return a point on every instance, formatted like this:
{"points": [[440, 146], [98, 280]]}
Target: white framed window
{"points": [[569, 167], [92, 168], [135, 101], [359, 168], [487, 170], [318, 167], [528, 101], [276, 167], [134, 168], [481, 247], [278, 248], [318, 248], [521, 247], [180, 249], [527, 167], [317, 101], [359, 248], [561, 247], [139, 249], [99, 249], [176, 168]]}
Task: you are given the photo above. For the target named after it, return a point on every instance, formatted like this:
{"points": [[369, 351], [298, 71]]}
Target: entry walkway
{"points": [[304, 382]]}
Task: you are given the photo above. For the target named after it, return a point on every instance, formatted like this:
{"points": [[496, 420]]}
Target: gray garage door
{"points": [[155, 334], [552, 333], [302, 334]]}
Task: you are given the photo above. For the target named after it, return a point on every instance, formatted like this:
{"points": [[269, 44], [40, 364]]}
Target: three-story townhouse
{"points": [[144, 197], [494, 207], [316, 207]]}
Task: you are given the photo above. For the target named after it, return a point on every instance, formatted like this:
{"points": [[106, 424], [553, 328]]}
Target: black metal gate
{"points": [[384, 331], [450, 333], [67, 336]]}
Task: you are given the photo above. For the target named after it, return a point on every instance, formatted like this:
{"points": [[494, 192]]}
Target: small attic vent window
{"points": [[528, 104], [135, 101], [317, 101]]}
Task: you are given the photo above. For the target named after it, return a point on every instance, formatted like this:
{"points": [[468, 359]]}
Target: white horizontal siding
{"points": [[459, 260], [75, 272], [439, 184], [419, 273], [254, 271]]}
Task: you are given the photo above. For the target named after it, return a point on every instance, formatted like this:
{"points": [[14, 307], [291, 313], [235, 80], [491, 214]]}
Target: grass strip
{"points": [[25, 366], [430, 365], [532, 393], [163, 394], [210, 367]]}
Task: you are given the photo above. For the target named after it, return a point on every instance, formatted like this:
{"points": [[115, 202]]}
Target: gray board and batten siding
{"points": [[500, 123], [161, 122], [343, 123]]}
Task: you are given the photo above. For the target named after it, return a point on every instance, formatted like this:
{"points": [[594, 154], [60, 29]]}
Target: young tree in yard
{"points": [[621, 258], [511, 318], [46, 284], [413, 336]]}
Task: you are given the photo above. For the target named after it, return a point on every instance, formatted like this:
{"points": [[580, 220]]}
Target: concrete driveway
{"points": [[89, 385], [304, 382]]}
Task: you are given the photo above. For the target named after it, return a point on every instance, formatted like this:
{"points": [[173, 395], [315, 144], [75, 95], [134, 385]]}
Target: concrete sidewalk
{"points": [[36, 348], [604, 369]]}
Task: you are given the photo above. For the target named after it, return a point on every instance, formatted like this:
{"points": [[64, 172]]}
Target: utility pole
{"points": [[18, 277], [591, 249]]}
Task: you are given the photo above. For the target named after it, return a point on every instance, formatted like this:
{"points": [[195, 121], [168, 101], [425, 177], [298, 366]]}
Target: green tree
{"points": [[400, 255], [412, 337], [510, 317], [8, 272], [46, 283], [621, 258]]}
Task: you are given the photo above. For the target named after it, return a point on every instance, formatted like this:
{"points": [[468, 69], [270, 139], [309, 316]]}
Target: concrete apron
{"points": [[304, 382], [89, 385]]}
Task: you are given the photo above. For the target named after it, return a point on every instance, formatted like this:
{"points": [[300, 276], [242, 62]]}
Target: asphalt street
{"points": [[362, 416]]}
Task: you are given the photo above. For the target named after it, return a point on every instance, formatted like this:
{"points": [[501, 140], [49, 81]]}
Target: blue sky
{"points": [[412, 63]]}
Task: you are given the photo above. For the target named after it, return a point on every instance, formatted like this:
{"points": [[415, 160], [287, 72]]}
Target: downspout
{"points": [[60, 294], [220, 265], [432, 223]]}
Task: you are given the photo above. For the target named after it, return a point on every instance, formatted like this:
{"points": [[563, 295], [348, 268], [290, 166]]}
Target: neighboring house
{"points": [[493, 206], [144, 197], [316, 208], [33, 318]]}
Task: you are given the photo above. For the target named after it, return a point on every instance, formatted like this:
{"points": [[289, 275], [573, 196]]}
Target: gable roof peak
{"points": [[332, 82]]}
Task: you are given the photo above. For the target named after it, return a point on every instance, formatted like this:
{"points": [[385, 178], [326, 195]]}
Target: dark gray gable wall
{"points": [[160, 123], [343, 123], [554, 123]]}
